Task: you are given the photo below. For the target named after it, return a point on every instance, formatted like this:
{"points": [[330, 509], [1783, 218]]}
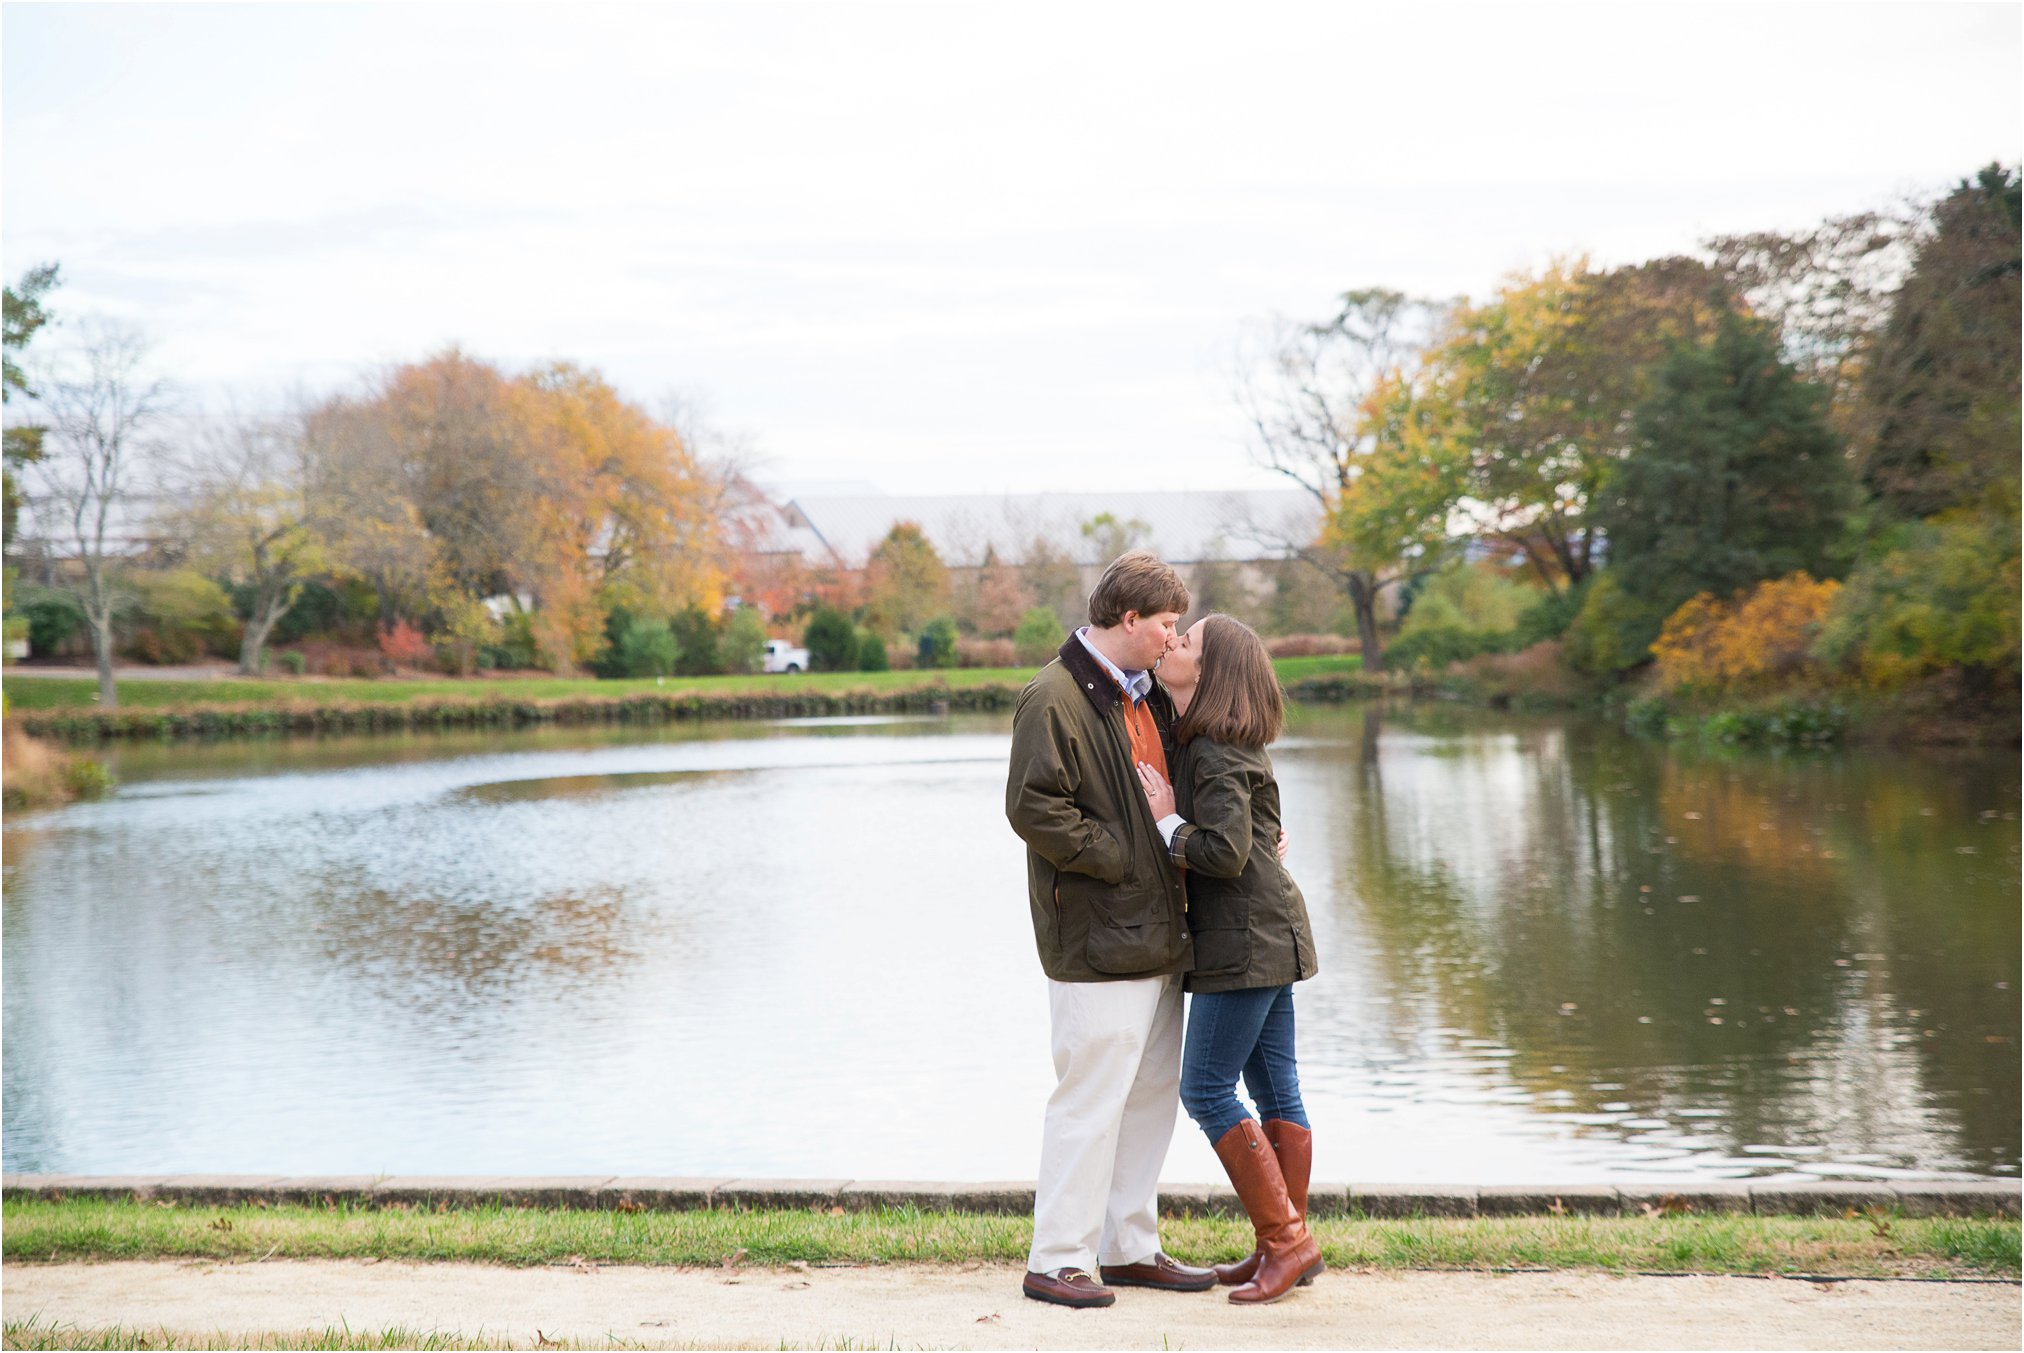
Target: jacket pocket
{"points": [[1129, 931], [1222, 935]]}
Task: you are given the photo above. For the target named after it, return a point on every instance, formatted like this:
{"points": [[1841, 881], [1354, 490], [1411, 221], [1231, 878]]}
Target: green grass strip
{"points": [[26, 691], [38, 1231], [36, 1332]]}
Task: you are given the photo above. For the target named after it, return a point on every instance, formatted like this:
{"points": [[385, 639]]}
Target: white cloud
{"points": [[942, 246]]}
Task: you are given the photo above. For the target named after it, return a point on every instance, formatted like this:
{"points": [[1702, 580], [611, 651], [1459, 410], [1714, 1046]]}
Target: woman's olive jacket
{"points": [[1107, 903], [1248, 917]]}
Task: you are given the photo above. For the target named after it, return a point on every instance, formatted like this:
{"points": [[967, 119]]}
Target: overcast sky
{"points": [[947, 248]]}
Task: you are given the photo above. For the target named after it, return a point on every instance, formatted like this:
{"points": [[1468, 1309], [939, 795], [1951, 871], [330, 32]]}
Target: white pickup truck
{"points": [[782, 656]]}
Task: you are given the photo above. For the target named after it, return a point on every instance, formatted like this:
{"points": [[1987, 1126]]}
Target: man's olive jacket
{"points": [[1107, 902]]}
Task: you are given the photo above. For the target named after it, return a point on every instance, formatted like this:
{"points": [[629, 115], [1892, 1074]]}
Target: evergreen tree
{"points": [[1733, 476], [1940, 418]]}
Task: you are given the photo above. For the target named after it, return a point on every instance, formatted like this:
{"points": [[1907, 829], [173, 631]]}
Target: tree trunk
{"points": [[251, 644], [101, 640], [1363, 596]]}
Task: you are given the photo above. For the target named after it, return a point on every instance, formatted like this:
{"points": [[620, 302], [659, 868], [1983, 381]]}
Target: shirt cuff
{"points": [[1170, 824]]}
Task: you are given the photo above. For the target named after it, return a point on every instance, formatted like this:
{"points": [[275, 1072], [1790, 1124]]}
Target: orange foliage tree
{"points": [[1762, 639], [547, 485]]}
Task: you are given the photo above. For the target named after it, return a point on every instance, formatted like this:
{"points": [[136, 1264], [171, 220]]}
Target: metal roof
{"points": [[1181, 526]]}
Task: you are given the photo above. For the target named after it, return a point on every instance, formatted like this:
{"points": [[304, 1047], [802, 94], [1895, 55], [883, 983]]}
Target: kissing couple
{"points": [[1153, 861]]}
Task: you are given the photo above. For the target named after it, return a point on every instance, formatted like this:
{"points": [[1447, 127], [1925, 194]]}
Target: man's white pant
{"points": [[1117, 1060]]}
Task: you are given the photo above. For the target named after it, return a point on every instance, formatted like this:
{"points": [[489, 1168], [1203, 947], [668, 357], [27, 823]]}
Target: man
{"points": [[1109, 915]]}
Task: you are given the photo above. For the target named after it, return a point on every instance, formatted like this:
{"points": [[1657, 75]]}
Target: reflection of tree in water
{"points": [[1693, 931], [443, 952]]}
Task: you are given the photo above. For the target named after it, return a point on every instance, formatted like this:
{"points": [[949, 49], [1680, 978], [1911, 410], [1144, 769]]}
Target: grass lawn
{"points": [[81, 1229], [25, 691]]}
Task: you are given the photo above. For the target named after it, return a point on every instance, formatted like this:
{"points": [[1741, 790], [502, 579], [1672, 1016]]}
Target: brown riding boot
{"points": [[1294, 1146], [1289, 1253]]}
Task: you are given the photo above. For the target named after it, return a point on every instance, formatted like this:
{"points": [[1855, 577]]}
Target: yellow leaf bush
{"points": [[1759, 640]]}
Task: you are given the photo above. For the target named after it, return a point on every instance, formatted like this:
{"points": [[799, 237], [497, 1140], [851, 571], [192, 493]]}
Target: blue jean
{"points": [[1240, 1031]]}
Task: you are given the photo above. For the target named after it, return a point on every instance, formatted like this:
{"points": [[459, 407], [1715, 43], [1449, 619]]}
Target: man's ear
{"points": [[1124, 621]]}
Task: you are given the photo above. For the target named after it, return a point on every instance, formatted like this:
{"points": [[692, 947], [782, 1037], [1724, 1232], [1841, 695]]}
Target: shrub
{"points": [[1548, 617], [1613, 630], [1944, 595], [1468, 596], [871, 654], [1535, 675], [937, 646], [54, 618], [515, 647], [1434, 647], [986, 653], [831, 641], [403, 645], [1039, 636], [742, 646], [1311, 645], [649, 649], [292, 662], [1760, 640], [180, 614], [695, 633]]}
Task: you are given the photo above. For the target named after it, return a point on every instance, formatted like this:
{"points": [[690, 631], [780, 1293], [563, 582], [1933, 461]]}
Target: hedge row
{"points": [[372, 717], [202, 721]]}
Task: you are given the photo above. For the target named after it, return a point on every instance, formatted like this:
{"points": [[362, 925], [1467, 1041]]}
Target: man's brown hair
{"points": [[1237, 697], [1136, 581]]}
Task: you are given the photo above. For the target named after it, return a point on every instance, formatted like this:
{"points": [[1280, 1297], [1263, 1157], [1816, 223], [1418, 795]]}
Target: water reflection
{"points": [[801, 948], [1759, 960]]}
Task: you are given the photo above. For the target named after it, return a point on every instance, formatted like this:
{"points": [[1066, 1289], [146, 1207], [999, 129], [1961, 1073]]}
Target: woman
{"points": [[1252, 942]]}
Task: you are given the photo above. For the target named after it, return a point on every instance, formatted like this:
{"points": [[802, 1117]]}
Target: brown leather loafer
{"points": [[1067, 1287], [1159, 1271]]}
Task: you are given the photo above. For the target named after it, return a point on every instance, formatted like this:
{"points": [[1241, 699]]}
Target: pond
{"points": [[1550, 953]]}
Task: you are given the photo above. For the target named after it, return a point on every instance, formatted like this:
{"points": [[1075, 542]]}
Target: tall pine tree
{"points": [[1733, 476]]}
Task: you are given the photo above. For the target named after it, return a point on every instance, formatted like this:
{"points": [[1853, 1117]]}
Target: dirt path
{"points": [[980, 1307]]}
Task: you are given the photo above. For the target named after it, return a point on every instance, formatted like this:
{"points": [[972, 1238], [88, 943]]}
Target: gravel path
{"points": [[979, 1306]]}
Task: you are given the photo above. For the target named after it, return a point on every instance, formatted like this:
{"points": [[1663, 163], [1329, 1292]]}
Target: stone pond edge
{"points": [[632, 1193]]}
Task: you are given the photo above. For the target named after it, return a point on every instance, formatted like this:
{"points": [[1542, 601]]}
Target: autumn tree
{"points": [[248, 512], [1938, 589], [990, 598], [1317, 418], [1110, 536], [1828, 290], [103, 411], [906, 583], [1052, 579], [457, 482], [1941, 394], [24, 315], [1522, 411]]}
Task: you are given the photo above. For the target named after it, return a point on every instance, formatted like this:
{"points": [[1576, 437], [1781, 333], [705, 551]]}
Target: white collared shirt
{"points": [[1138, 685]]}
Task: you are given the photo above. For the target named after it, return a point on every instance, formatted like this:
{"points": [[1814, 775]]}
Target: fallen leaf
{"points": [[798, 1265], [1559, 1209], [796, 1285], [735, 1258], [836, 1212], [222, 1224], [991, 1319], [543, 1341]]}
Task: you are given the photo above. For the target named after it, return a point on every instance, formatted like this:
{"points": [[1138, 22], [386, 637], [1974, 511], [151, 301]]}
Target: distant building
{"points": [[817, 543]]}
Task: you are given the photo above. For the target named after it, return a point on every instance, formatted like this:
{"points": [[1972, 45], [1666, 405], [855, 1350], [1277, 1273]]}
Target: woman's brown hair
{"points": [[1237, 696]]}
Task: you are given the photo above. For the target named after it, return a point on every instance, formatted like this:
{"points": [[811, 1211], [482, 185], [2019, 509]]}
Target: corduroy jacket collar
{"points": [[1099, 686]]}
